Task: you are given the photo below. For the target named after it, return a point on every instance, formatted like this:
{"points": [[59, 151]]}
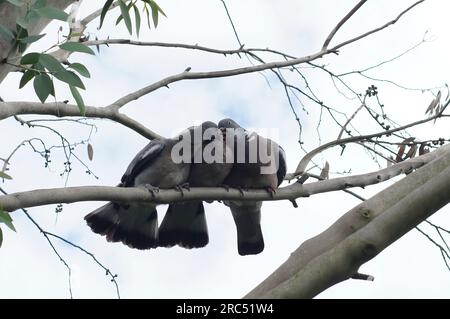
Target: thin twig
{"points": [[232, 24], [445, 255], [43, 232], [341, 23], [46, 234], [384, 26]]}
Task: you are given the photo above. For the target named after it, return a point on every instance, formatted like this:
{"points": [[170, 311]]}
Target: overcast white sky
{"points": [[411, 268]]}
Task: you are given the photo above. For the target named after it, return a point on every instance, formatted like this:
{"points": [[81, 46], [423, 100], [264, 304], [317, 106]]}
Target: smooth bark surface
{"points": [[361, 233]]}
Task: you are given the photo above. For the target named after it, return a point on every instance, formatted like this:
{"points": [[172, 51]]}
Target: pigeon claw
{"points": [[182, 187], [152, 189], [271, 191]]}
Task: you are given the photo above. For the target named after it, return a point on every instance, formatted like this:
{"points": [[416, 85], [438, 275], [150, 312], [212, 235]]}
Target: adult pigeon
{"points": [[185, 222], [136, 224], [259, 163]]}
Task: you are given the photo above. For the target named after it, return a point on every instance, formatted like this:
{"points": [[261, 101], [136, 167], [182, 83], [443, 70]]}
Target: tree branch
{"points": [[343, 260], [341, 23], [186, 75], [384, 26], [8, 109], [308, 157], [358, 218], [40, 197]]}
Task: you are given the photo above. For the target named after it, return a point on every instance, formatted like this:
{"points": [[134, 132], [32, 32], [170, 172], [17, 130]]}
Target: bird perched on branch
{"points": [[258, 163], [154, 167], [185, 222]]}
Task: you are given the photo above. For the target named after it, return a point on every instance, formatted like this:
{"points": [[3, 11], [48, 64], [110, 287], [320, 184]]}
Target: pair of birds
{"points": [[154, 167]]}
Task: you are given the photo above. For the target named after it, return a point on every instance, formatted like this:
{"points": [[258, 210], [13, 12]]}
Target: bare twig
{"points": [[232, 24], [384, 26], [48, 234], [445, 255], [107, 271], [341, 23], [307, 158], [44, 233]]}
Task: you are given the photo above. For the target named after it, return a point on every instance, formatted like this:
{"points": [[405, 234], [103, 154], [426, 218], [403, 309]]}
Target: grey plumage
{"points": [[245, 174], [136, 224], [185, 222]]}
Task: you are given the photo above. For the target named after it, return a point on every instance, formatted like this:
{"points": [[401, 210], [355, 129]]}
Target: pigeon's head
{"points": [[208, 125], [228, 123], [210, 132]]}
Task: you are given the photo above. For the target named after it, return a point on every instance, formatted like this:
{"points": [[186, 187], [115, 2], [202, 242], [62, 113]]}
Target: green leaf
{"points": [[104, 11], [159, 9], [81, 69], [137, 17], [4, 175], [90, 151], [155, 13], [26, 77], [6, 33], [1, 237], [126, 15], [148, 16], [17, 3], [39, 4], [51, 63], [76, 47], [6, 219], [52, 13], [21, 34], [22, 21], [39, 67], [43, 86], [32, 38], [70, 78], [119, 18], [77, 96], [30, 58]]}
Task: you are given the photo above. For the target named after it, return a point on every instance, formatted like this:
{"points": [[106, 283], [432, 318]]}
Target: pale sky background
{"points": [[410, 268]]}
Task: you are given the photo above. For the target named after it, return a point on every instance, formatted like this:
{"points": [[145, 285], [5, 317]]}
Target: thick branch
{"points": [[40, 197], [343, 260], [354, 220], [8, 109]]}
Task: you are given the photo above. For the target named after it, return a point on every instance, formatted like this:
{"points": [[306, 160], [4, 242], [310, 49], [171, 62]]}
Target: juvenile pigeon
{"points": [[136, 224], [251, 170], [185, 223]]}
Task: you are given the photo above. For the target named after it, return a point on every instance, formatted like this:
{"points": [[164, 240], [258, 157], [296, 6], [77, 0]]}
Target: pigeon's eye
{"points": [[180, 137]]}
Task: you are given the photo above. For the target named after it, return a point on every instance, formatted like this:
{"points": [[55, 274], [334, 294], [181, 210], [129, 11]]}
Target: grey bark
{"points": [[360, 234], [347, 224]]}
